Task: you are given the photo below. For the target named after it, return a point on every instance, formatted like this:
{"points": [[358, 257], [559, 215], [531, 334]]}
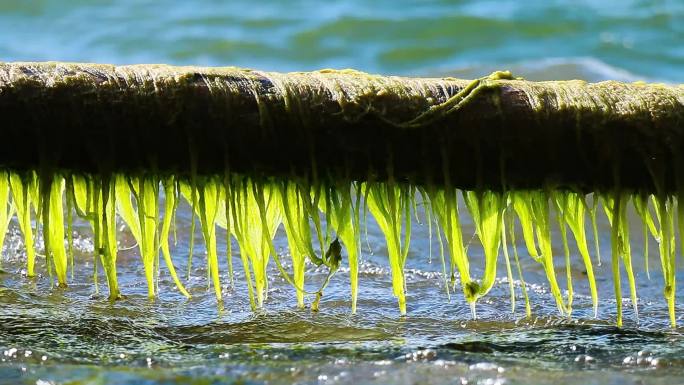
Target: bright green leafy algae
{"points": [[641, 206], [568, 268], [532, 208], [6, 207], [344, 219], [22, 201], [445, 207], [170, 200], [252, 210], [105, 206], [594, 227], [666, 247], [511, 233], [615, 206], [96, 202], [254, 231], [390, 204], [208, 208], [572, 206], [486, 209], [297, 227], [507, 258], [141, 220], [53, 219]]}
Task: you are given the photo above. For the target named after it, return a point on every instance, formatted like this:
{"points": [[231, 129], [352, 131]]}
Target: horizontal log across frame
{"points": [[492, 133]]}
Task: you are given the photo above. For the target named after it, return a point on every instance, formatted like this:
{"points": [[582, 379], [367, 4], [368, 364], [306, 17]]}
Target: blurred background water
{"points": [[73, 336], [553, 39]]}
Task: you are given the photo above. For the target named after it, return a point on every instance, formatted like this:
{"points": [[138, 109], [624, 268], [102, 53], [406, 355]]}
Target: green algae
{"points": [[457, 101], [208, 208], [69, 198], [572, 206], [6, 207], [445, 207], [666, 246], [641, 207], [507, 259], [594, 227], [170, 201], [390, 205], [23, 202], [252, 210], [298, 230], [615, 206], [255, 217], [511, 234], [560, 216], [486, 208], [343, 216], [53, 221], [532, 208], [96, 202]]}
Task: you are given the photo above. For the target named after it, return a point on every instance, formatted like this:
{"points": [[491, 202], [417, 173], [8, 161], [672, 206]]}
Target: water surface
{"points": [[76, 335]]}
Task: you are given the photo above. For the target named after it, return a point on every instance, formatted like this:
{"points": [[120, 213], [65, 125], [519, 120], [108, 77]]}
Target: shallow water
{"points": [[74, 335]]}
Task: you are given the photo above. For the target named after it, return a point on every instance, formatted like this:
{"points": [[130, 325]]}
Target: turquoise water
{"points": [[630, 39], [73, 336]]}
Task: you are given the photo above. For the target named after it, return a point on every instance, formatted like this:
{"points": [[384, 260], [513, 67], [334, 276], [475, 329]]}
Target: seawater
{"points": [[76, 336], [540, 39], [50, 335]]}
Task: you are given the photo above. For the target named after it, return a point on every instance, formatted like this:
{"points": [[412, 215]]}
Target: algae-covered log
{"points": [[489, 133], [251, 151]]}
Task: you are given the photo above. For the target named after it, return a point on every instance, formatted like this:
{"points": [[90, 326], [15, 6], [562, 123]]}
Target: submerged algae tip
{"points": [[252, 210]]}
